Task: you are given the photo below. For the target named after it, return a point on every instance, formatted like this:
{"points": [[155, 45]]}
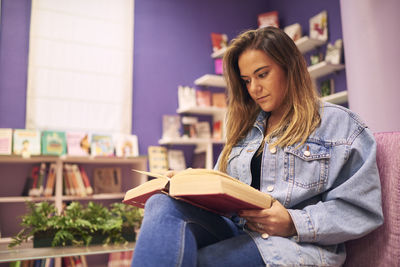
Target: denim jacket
{"points": [[330, 186]]}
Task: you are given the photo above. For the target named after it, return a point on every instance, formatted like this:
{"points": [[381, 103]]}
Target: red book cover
{"points": [[268, 19]]}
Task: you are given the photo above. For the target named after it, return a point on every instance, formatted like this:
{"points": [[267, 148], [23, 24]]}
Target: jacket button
{"points": [[270, 188], [307, 153], [272, 150]]}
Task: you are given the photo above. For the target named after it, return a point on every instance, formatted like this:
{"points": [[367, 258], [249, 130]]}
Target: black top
{"points": [[256, 170]]}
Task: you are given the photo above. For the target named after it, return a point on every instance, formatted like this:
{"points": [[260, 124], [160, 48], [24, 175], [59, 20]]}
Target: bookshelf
{"points": [[17, 168], [306, 44], [211, 80], [323, 68]]}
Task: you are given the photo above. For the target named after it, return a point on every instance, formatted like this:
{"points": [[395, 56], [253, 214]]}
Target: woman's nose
{"points": [[254, 86]]}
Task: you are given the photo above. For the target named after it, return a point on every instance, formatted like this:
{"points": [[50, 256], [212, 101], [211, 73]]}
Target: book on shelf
{"points": [[86, 180], [327, 87], [186, 97], [6, 141], [203, 98], [266, 19], [78, 144], [158, 159], [120, 259], [171, 126], [26, 142], [188, 126], [126, 145], [218, 66], [34, 190], [176, 159], [294, 31], [334, 52], [217, 130], [319, 26], [54, 143], [107, 180], [74, 185], [209, 189], [102, 145], [202, 129], [219, 100], [218, 41], [51, 179]]}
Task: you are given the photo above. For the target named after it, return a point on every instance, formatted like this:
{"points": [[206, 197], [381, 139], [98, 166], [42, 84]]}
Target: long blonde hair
{"points": [[301, 116]]}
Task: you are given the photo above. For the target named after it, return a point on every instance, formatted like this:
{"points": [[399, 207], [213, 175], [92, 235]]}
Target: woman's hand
{"points": [[273, 221]]}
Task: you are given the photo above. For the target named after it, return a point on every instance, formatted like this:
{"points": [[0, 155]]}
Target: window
{"points": [[80, 65]]}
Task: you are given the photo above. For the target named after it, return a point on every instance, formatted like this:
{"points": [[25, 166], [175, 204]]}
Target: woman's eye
{"points": [[246, 81], [263, 75]]}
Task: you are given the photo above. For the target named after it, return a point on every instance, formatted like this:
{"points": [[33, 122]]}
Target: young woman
{"points": [[316, 159]]}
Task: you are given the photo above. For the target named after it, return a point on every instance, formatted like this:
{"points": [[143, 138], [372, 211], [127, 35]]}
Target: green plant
{"points": [[78, 225]]}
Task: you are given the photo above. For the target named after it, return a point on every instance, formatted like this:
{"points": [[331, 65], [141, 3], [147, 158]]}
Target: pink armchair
{"points": [[382, 246]]}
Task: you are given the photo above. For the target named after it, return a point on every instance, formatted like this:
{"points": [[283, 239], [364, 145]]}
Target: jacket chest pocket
{"points": [[307, 166]]}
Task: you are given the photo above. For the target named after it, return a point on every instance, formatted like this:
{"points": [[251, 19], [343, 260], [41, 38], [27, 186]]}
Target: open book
{"points": [[209, 189]]}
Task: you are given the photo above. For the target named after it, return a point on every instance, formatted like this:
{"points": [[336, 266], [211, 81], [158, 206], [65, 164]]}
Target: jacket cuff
{"points": [[304, 227]]}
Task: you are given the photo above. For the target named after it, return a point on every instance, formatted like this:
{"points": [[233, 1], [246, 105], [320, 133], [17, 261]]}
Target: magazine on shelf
{"points": [[26, 142]]}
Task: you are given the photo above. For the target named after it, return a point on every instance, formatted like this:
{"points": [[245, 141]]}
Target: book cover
{"points": [[176, 160], [186, 97], [268, 19], [5, 141], [102, 145], [54, 143], [26, 142], [327, 87], [107, 180], [78, 144], [218, 41], [171, 125], [209, 189], [203, 129], [86, 180], [319, 26], [158, 159], [217, 130], [51, 178], [188, 125], [294, 31], [219, 100], [334, 52], [203, 98], [126, 145], [218, 66]]}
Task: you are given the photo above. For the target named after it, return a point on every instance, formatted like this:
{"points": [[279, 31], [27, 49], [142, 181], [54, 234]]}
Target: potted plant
{"points": [[78, 225]]}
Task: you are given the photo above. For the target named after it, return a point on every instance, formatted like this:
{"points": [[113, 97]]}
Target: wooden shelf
{"points": [[188, 141], [211, 80], [305, 44], [323, 68], [95, 197], [337, 98], [25, 199], [30, 253], [202, 110]]}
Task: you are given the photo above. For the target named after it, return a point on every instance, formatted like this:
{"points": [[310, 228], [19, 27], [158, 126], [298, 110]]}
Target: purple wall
{"points": [[14, 40]]}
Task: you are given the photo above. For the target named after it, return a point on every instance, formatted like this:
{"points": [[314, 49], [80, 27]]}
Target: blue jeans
{"points": [[175, 233]]}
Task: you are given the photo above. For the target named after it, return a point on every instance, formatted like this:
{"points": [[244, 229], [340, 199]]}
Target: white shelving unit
{"points": [[305, 44], [211, 80], [220, 53], [337, 98], [10, 195], [323, 68]]}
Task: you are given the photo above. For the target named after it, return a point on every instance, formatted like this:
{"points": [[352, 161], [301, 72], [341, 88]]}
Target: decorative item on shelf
{"points": [[218, 66], [158, 159], [203, 98], [107, 180], [334, 52], [217, 130], [5, 141], [188, 124], [219, 100], [101, 145], [78, 224], [218, 41], [316, 58], [294, 31], [126, 145], [54, 143], [78, 144], [268, 19], [319, 26], [327, 87], [202, 129], [176, 160], [171, 125], [186, 97], [26, 142]]}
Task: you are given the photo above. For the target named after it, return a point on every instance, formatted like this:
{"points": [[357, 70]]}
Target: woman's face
{"points": [[265, 80]]}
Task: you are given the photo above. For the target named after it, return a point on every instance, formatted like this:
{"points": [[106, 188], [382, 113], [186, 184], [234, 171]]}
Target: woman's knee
{"points": [[159, 203]]}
